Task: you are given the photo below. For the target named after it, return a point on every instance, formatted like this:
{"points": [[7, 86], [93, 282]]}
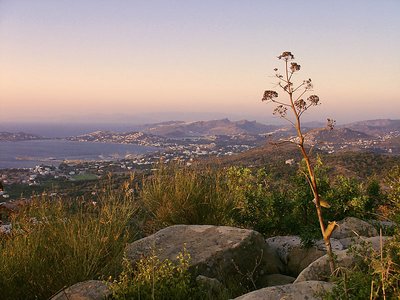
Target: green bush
{"points": [[174, 195], [56, 243], [152, 278], [375, 276], [234, 196]]}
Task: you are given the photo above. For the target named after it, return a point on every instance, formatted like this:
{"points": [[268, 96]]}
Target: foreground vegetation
{"points": [[56, 243]]}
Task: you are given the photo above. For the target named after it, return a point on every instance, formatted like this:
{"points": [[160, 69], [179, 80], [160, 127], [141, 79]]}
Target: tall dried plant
{"points": [[291, 109]]}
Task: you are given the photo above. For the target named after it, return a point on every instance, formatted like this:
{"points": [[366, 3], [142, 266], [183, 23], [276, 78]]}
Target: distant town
{"points": [[187, 143]]}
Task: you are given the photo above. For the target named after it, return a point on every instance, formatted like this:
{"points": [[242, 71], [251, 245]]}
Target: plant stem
{"points": [[312, 179]]}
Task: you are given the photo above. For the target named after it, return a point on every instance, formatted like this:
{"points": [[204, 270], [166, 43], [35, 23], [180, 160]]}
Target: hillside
{"points": [[203, 128], [375, 127], [284, 160], [338, 135], [18, 136]]}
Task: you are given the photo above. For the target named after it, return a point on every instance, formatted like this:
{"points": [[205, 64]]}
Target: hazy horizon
{"points": [[102, 61]]}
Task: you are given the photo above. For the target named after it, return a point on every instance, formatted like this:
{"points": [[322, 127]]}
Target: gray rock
{"points": [[296, 257], [216, 251], [5, 228], [274, 279], [373, 241], [351, 227], [319, 270], [385, 225], [211, 286], [87, 290], [335, 244], [307, 290]]}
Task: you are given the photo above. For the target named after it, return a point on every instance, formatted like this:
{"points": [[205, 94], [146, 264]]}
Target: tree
{"points": [[292, 110]]}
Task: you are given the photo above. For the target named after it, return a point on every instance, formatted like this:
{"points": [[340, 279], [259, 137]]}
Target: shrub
{"points": [[152, 278], [375, 276], [56, 243], [234, 196], [174, 195]]}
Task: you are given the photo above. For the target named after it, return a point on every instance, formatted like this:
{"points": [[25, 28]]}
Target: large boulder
{"points": [[374, 242], [275, 279], [87, 290], [319, 270], [351, 227], [307, 290], [218, 252], [294, 255]]}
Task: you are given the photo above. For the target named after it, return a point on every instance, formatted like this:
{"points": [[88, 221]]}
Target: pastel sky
{"points": [[93, 59]]}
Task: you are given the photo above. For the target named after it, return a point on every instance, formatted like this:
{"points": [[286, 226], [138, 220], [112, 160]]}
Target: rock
{"points": [[350, 227], [335, 244], [320, 270], [296, 257], [274, 279], [374, 241], [218, 252], [387, 227], [87, 290], [306, 290], [5, 228], [211, 286]]}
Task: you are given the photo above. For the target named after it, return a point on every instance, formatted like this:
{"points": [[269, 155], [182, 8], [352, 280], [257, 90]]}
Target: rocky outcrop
{"points": [[294, 255], [87, 290], [221, 254], [319, 270], [274, 279], [218, 252], [374, 242], [352, 227], [307, 290]]}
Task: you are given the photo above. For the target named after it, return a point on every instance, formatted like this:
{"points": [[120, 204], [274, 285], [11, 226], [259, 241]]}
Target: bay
{"points": [[26, 154]]}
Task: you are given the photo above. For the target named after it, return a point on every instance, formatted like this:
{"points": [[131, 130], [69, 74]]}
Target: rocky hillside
{"points": [[18, 136], [375, 127], [338, 135], [203, 128]]}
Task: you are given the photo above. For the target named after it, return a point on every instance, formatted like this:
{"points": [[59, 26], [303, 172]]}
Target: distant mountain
{"points": [[111, 137], [337, 135], [375, 127], [19, 136], [203, 128]]}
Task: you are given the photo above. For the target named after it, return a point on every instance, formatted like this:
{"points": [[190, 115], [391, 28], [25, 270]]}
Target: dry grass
{"points": [[56, 243]]}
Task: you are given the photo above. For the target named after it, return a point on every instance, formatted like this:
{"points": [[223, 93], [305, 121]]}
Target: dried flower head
{"points": [[294, 67], [313, 99], [287, 55], [280, 110], [330, 123], [307, 84], [300, 104], [269, 96]]}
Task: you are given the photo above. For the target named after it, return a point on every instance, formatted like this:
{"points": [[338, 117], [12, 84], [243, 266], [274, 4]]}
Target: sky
{"points": [[97, 60]]}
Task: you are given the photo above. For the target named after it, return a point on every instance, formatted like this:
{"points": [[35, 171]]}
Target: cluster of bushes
{"points": [[152, 278], [56, 243], [250, 198], [376, 274]]}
